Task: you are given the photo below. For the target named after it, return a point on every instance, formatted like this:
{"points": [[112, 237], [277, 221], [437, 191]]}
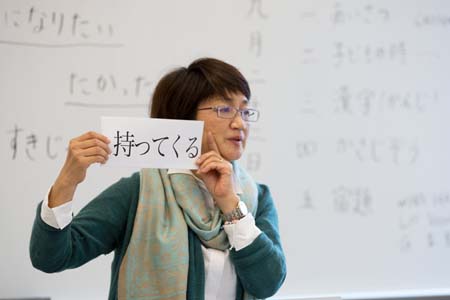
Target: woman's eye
{"points": [[226, 109], [249, 113]]}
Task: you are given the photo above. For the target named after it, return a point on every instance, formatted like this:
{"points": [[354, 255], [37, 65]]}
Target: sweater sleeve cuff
{"points": [[57, 217], [242, 233]]}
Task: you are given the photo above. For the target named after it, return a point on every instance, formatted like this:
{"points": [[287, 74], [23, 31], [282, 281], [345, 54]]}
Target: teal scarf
{"points": [[155, 265]]}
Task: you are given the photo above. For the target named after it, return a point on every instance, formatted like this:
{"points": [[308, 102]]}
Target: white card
{"points": [[153, 143]]}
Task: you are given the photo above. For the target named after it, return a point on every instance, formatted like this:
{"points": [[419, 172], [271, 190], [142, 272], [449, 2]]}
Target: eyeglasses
{"points": [[230, 112]]}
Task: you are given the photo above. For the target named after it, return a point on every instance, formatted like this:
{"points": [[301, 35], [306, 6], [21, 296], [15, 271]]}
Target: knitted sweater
{"points": [[105, 224]]}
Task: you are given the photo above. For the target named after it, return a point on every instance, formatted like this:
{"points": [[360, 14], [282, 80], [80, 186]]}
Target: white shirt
{"points": [[220, 276]]}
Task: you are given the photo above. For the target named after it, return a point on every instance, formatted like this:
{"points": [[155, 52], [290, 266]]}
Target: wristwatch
{"points": [[237, 213]]}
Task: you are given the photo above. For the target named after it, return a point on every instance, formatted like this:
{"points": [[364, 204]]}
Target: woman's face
{"points": [[230, 134]]}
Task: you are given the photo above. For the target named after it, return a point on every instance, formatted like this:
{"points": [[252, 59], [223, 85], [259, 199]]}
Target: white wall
{"points": [[353, 139]]}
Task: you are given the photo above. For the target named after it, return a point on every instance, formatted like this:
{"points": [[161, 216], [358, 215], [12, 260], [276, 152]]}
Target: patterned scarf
{"points": [[155, 265]]}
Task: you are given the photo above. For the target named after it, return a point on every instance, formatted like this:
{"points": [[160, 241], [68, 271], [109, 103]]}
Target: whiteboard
{"points": [[353, 140]]}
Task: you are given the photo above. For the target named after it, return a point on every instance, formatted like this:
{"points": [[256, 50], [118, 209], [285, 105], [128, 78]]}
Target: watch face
{"points": [[243, 208], [237, 213]]}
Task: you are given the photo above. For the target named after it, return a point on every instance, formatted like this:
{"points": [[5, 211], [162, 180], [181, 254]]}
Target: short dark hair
{"points": [[178, 94]]}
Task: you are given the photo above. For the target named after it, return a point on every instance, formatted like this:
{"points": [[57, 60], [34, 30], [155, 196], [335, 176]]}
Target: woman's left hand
{"points": [[217, 174]]}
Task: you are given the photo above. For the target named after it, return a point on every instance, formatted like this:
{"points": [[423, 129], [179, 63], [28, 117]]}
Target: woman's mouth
{"points": [[236, 140]]}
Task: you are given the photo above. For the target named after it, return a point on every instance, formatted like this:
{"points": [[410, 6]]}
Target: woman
{"points": [[176, 234]]}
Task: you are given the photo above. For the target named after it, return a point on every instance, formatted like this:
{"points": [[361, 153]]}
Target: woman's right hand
{"points": [[83, 151]]}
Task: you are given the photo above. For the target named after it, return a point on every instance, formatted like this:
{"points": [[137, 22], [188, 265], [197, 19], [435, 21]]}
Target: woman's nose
{"points": [[238, 121]]}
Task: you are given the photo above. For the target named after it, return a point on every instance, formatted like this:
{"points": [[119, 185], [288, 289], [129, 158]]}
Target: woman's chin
{"points": [[232, 151], [232, 156]]}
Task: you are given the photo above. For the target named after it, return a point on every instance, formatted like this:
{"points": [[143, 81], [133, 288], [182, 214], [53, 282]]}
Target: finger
{"points": [[93, 135], [218, 166], [215, 163], [92, 143], [210, 159], [93, 159], [93, 151], [207, 155]]}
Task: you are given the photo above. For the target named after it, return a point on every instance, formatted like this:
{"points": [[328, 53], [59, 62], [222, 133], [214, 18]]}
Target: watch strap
{"points": [[235, 214]]}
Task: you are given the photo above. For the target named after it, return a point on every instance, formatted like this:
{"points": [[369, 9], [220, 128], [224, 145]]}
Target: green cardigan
{"points": [[106, 223]]}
